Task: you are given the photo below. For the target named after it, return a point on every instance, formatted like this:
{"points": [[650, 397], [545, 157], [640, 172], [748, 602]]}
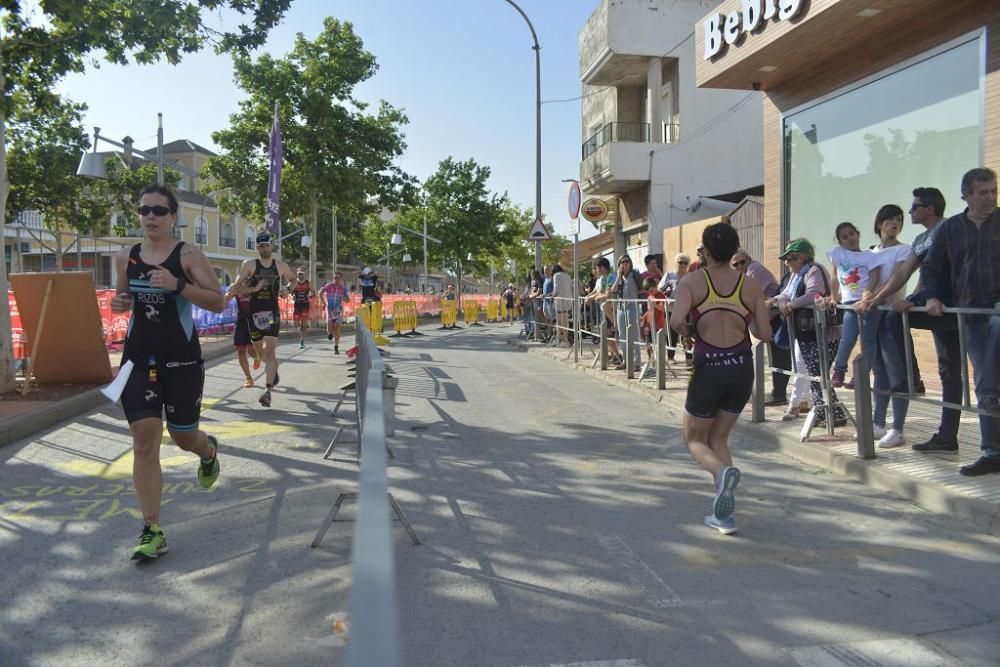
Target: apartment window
{"points": [[200, 231], [227, 238]]}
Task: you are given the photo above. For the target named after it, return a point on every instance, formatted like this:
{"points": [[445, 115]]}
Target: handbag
{"points": [[805, 318]]}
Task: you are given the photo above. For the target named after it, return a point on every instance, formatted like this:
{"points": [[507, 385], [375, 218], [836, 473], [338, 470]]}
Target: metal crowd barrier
{"points": [[374, 609], [861, 369]]}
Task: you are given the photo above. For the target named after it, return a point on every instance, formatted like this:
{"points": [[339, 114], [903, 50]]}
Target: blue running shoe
{"points": [[725, 526], [725, 503]]}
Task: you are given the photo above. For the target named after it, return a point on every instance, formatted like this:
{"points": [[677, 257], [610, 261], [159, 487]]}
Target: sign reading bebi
{"points": [[728, 30]]}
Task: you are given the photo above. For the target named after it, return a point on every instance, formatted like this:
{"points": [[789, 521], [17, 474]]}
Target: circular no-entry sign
{"points": [[574, 200]]}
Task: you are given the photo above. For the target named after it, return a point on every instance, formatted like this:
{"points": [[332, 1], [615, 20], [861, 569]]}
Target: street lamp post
{"points": [[538, 128]]}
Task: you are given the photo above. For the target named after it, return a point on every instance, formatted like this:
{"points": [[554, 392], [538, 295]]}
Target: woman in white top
{"points": [[854, 270], [876, 334], [562, 297]]}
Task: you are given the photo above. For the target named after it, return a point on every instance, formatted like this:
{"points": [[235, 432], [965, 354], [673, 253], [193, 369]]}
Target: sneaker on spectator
{"points": [[937, 443], [878, 432], [775, 401], [892, 438], [838, 378]]}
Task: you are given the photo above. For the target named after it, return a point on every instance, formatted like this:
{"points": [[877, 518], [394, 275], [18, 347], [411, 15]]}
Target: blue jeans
{"points": [[626, 315], [529, 318], [983, 345], [889, 373], [949, 355], [848, 337]]}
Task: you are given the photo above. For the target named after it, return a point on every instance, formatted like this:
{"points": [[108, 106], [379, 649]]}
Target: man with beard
{"points": [[262, 279]]}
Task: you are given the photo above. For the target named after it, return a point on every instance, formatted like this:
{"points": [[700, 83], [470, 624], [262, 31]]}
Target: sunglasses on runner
{"points": [[158, 211]]}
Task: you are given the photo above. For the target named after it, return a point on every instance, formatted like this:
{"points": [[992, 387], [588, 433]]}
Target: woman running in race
{"points": [[724, 309], [159, 280]]}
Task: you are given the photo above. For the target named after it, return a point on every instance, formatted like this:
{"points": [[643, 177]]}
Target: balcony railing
{"points": [[638, 132], [200, 238], [226, 242]]}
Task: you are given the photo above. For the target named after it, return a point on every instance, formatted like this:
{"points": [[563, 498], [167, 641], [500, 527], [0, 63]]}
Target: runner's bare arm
{"points": [[239, 286], [202, 289]]}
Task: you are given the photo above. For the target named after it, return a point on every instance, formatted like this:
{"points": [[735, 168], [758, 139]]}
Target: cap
{"points": [[300, 270], [798, 246], [263, 237], [366, 271]]}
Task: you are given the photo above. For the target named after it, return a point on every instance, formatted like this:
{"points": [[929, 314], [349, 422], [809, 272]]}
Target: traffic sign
{"points": [[538, 231], [574, 200]]}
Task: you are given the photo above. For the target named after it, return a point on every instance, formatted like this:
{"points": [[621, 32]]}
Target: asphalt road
{"points": [[561, 521]]}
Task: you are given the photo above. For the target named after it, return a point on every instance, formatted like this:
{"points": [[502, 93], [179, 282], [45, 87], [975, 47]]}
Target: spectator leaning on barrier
{"points": [[854, 270], [927, 210], [562, 296], [627, 287], [780, 356], [548, 305], [600, 295], [668, 282], [724, 307], [876, 335], [809, 284], [966, 255]]}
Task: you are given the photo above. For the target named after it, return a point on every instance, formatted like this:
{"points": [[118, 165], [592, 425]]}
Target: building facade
{"points": [[864, 101], [657, 148]]}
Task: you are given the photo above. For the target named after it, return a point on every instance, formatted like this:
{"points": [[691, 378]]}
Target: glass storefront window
{"points": [[847, 156]]}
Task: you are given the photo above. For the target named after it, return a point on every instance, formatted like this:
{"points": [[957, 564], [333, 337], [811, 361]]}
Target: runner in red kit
{"points": [[302, 292]]}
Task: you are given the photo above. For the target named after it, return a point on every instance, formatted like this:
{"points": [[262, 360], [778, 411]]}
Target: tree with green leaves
{"points": [[42, 42], [336, 152]]}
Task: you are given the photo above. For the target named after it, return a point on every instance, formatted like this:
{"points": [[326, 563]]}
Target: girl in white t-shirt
{"points": [[889, 254], [854, 270]]}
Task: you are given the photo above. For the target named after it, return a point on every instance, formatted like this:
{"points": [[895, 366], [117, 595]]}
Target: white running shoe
{"points": [[724, 502], [725, 526], [878, 431], [892, 438]]}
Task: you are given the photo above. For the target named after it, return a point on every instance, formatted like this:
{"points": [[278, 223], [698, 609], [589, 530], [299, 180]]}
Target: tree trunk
{"points": [[313, 222], [6, 352]]}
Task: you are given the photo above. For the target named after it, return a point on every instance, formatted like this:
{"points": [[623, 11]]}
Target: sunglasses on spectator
{"points": [[158, 211], [682, 263], [739, 262], [916, 206]]}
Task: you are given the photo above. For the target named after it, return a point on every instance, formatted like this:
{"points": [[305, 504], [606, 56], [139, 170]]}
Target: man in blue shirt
{"points": [[965, 255]]}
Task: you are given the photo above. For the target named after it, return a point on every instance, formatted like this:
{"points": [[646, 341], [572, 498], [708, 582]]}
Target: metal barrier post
{"points": [[963, 354], [908, 351], [629, 348], [604, 345], [863, 407], [757, 396], [661, 359]]}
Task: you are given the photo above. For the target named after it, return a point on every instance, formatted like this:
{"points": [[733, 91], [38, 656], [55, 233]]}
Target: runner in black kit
{"points": [[262, 279], [159, 280], [302, 294], [724, 307]]}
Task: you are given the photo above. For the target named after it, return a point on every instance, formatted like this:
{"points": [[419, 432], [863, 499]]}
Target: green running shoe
{"points": [[152, 544], [208, 471]]}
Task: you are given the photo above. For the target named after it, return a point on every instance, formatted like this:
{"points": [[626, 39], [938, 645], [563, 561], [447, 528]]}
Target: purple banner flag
{"points": [[277, 156]]}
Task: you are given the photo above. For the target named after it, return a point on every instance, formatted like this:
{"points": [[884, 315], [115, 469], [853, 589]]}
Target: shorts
{"points": [[334, 317], [176, 390], [300, 314], [724, 384], [264, 323], [241, 333]]}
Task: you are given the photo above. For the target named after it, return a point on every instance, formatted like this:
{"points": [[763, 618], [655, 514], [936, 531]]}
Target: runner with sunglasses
{"points": [[263, 279], [159, 280]]}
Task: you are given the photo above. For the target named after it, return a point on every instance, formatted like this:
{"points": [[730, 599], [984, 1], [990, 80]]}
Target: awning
{"points": [[587, 248]]}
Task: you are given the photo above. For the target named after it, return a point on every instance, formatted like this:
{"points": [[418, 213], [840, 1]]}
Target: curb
{"points": [[931, 496], [32, 422]]}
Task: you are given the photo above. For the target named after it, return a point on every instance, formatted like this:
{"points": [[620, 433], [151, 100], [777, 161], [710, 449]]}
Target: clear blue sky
{"points": [[462, 70]]}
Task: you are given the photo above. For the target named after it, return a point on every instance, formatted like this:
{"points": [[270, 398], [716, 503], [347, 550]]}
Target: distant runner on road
{"points": [[158, 280], [335, 294], [262, 279], [302, 293]]}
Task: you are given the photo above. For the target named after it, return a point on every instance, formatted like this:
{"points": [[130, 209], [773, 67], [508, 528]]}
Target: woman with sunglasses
{"points": [[724, 307], [667, 285], [159, 280]]}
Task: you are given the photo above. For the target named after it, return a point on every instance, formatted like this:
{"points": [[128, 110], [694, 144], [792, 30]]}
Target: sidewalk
{"points": [[931, 481], [20, 418]]}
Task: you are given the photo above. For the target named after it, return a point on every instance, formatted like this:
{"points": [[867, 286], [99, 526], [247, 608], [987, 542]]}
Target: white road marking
{"points": [[638, 573]]}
